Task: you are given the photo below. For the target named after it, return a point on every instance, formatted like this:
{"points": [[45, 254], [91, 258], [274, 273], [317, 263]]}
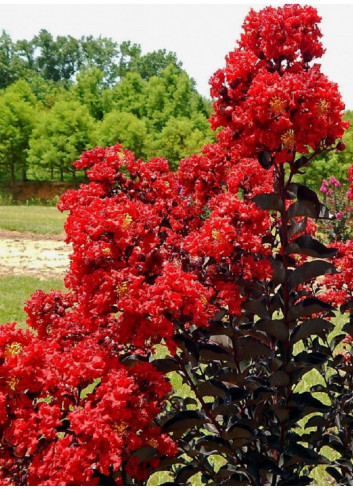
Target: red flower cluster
{"points": [[153, 252], [289, 33], [268, 97], [339, 287], [141, 242], [70, 413]]}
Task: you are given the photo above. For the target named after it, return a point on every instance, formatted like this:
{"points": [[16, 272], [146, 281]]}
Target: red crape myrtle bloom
{"points": [[268, 97], [147, 259], [338, 287], [55, 433]]}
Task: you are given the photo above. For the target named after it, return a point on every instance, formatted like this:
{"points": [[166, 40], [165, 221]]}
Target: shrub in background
{"points": [[338, 199]]}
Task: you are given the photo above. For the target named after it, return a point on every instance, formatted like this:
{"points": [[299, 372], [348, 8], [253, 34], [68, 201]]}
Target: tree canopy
{"points": [[18, 118], [61, 95]]}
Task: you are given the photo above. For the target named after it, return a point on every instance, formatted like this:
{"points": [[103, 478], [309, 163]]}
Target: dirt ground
{"points": [[35, 255]]}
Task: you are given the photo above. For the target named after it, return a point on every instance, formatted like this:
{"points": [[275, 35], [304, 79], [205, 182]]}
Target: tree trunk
{"points": [[24, 175], [12, 174]]}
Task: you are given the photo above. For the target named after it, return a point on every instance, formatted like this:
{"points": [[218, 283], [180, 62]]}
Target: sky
{"points": [[201, 34]]}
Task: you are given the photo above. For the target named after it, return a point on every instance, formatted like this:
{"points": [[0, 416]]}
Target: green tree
{"points": [[127, 96], [334, 163], [179, 138], [172, 94], [17, 109], [125, 128], [60, 136], [102, 53], [89, 90], [127, 52], [173, 113], [152, 64], [11, 66], [59, 59]]}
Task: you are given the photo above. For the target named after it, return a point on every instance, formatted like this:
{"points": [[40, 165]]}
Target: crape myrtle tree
{"points": [[219, 264]]}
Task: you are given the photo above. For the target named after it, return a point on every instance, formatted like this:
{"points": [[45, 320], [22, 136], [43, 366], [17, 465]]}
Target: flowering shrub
{"points": [[337, 197], [218, 264]]}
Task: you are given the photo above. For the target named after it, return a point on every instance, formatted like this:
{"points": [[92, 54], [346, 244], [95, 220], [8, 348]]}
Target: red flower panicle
{"points": [[268, 97]]}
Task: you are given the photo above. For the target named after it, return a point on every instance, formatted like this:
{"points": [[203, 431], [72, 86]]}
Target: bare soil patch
{"points": [[36, 255]]}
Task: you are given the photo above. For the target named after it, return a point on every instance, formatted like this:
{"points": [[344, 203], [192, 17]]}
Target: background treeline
{"points": [[60, 96]]}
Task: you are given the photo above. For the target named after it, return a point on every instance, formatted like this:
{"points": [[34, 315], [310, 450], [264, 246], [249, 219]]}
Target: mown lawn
{"points": [[36, 219], [14, 291]]}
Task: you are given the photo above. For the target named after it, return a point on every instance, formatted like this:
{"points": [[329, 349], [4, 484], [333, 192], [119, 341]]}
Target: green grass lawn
{"points": [[36, 219], [14, 291]]}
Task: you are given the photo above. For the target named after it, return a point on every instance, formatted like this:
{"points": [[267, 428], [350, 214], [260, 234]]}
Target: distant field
{"points": [[35, 219]]}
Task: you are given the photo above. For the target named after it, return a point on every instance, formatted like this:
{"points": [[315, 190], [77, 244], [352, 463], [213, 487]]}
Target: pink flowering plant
{"points": [[337, 196], [218, 267]]}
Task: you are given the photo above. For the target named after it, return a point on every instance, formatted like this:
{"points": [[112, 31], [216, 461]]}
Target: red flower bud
{"points": [[341, 146], [228, 111]]}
